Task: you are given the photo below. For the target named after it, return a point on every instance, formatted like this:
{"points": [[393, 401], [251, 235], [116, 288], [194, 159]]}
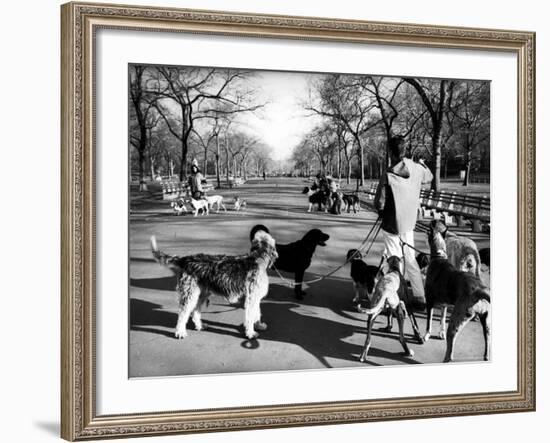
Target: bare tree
{"points": [[142, 116], [342, 99], [437, 97], [472, 112], [186, 94]]}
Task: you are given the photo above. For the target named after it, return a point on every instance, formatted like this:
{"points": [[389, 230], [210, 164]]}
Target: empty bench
{"points": [[173, 189], [446, 205]]}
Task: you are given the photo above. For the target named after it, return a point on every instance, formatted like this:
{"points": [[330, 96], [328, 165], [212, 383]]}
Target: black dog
{"points": [[317, 197], [336, 203], [351, 201], [296, 257], [363, 277]]}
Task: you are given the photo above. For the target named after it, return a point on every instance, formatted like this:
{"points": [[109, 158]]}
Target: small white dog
{"points": [[198, 205], [215, 200], [239, 203], [178, 207]]}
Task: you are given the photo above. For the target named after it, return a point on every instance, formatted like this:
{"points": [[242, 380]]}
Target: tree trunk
{"points": [[339, 165], [142, 184], [467, 166], [362, 165], [183, 164], [348, 178], [205, 164], [218, 182], [152, 165], [436, 152], [227, 166]]}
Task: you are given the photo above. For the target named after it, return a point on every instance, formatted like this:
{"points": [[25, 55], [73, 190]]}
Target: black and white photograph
{"points": [[296, 220]]}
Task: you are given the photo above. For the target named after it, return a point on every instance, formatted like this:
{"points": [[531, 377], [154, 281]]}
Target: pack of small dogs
{"points": [[205, 204], [336, 202], [451, 272]]}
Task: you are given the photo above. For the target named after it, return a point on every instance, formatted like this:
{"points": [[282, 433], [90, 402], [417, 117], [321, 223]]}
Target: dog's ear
{"points": [[256, 229]]}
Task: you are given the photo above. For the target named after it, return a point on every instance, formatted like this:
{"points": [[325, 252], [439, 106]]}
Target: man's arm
{"points": [[380, 197], [427, 175]]}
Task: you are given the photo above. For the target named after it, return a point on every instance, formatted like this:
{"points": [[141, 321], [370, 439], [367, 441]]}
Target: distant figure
{"points": [[264, 174], [397, 200], [195, 181]]}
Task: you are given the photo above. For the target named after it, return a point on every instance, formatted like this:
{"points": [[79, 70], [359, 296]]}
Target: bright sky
{"points": [[282, 123]]}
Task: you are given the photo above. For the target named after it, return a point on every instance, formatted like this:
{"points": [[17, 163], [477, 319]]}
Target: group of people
{"points": [[328, 188]]}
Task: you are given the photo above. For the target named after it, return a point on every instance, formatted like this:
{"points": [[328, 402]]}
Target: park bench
{"points": [[235, 182], [446, 205], [371, 191], [207, 187], [173, 189], [462, 207]]}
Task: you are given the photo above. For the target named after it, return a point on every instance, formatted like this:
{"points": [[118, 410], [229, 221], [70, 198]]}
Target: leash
{"points": [[404, 243], [375, 227]]}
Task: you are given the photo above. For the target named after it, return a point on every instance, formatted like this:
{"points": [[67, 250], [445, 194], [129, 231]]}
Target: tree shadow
{"points": [[323, 338], [167, 283], [143, 259], [151, 317]]}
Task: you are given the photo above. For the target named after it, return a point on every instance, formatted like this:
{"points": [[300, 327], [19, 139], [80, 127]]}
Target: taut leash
{"points": [[375, 227]]}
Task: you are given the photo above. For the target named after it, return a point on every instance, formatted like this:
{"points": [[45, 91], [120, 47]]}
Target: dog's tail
{"points": [[378, 307], [169, 261]]}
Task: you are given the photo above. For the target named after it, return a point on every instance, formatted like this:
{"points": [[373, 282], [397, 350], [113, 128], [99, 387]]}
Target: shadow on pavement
{"points": [[150, 317], [158, 283]]}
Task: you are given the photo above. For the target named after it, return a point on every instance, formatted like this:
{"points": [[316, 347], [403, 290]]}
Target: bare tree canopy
{"points": [[222, 119]]}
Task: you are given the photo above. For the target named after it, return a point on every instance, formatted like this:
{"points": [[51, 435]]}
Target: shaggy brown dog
{"points": [[461, 251], [236, 278], [445, 285]]}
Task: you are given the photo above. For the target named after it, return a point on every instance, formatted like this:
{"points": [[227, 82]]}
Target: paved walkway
{"points": [[322, 331]]}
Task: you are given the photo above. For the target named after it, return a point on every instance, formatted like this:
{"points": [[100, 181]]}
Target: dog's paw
{"points": [[427, 336], [447, 360], [180, 334], [252, 335], [442, 335], [409, 354]]}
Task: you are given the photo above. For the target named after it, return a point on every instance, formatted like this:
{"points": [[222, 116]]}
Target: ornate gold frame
{"points": [[78, 417]]}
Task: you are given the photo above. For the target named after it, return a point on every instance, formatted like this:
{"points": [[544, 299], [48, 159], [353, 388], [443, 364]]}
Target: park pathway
{"points": [[322, 331]]}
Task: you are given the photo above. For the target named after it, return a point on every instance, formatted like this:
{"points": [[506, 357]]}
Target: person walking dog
{"points": [[195, 181], [397, 201]]}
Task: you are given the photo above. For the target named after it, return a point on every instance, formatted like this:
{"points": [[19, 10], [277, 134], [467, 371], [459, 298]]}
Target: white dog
{"points": [[215, 200], [198, 205], [239, 203], [178, 206]]}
